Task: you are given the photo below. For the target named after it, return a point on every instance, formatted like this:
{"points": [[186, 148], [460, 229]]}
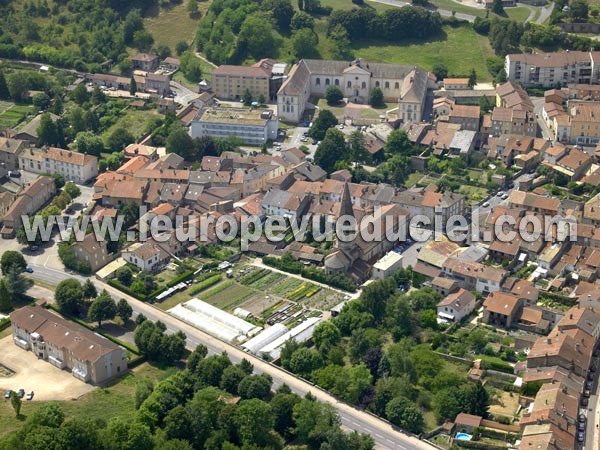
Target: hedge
{"points": [[206, 284], [4, 323], [145, 297], [500, 366]]}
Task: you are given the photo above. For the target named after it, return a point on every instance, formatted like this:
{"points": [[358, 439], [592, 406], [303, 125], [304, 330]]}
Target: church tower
{"points": [[346, 210]]}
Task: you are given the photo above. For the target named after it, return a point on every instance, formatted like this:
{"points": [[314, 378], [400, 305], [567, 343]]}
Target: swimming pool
{"points": [[463, 436]]}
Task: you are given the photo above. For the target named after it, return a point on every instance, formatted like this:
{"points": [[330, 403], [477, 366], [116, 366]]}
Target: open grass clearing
{"points": [[171, 24], [134, 121], [460, 49]]}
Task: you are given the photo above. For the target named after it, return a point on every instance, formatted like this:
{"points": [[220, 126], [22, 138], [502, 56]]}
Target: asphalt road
{"points": [[385, 436]]}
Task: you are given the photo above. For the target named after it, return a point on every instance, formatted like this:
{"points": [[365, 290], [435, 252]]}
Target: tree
{"points": [[352, 383], [5, 297], [261, 100], [10, 259], [498, 8], [231, 378], [80, 94], [341, 43], [324, 121], [472, 78], [119, 139], [89, 143], [331, 151], [247, 98], [476, 399], [191, 66], [132, 86], [304, 361], [16, 403], [181, 47], [41, 100], [254, 422], [255, 386], [305, 43], [282, 408], [18, 87], [428, 319], [89, 290], [69, 296], [376, 97], [125, 276], [124, 310], [326, 335], [333, 95], [578, 10], [48, 133], [192, 8], [143, 389], [485, 104], [16, 284], [404, 413], [302, 20], [143, 40], [102, 308], [4, 92], [440, 71], [282, 11], [256, 38], [98, 97], [181, 143]]}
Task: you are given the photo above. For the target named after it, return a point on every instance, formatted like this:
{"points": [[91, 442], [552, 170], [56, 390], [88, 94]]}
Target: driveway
{"points": [[32, 374]]}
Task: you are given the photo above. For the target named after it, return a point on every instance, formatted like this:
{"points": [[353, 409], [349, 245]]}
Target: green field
{"points": [[116, 400], [518, 14], [134, 121], [172, 24], [11, 115], [460, 49]]}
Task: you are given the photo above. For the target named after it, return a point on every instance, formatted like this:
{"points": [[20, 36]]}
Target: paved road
{"points": [[545, 13], [538, 106], [385, 436], [183, 95]]}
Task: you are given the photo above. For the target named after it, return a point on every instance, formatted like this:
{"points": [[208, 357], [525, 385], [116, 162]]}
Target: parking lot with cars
{"points": [[31, 374]]}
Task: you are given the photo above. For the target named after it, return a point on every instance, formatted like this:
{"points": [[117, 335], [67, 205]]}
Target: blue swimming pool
{"points": [[463, 436]]}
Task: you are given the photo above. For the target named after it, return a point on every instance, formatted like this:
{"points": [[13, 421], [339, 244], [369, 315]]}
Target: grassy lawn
{"points": [[413, 178], [116, 400], [452, 5], [134, 121], [172, 24], [473, 193], [459, 49], [336, 110], [518, 14], [11, 115]]}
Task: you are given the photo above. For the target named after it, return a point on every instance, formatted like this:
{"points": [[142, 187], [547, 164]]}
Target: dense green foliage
{"points": [[192, 409]]}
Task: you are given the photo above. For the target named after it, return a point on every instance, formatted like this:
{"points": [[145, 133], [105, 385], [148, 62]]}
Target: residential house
{"points": [[92, 252], [73, 166], [145, 61], [501, 309], [10, 149], [454, 307], [474, 275], [146, 256]]}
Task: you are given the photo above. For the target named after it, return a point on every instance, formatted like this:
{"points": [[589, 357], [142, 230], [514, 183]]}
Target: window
{"points": [[349, 84], [387, 84], [397, 85], [318, 81], [336, 82], [377, 84], [364, 85], [326, 81]]}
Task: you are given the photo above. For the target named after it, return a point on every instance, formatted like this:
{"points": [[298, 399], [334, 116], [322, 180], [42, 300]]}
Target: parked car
{"points": [[7, 394], [580, 436], [29, 395], [580, 426], [505, 196], [14, 173], [486, 204], [21, 393], [28, 269], [500, 193], [584, 401], [314, 142], [582, 418]]}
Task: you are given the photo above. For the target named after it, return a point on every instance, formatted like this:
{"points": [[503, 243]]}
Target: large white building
{"points": [[550, 69], [310, 77], [74, 166], [252, 126]]}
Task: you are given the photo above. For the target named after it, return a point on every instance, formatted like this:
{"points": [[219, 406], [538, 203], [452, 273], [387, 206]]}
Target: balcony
{"points": [[81, 374], [21, 343], [56, 362]]}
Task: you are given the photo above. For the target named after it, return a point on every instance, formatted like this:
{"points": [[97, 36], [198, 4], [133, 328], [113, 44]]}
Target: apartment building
{"points": [[232, 82], [551, 69], [91, 251], [35, 195], [67, 345], [513, 121], [74, 166], [467, 116], [581, 124], [252, 126]]}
